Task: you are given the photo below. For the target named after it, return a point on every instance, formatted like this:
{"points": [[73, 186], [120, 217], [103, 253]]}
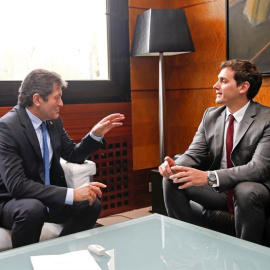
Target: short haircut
{"points": [[245, 70], [39, 81]]}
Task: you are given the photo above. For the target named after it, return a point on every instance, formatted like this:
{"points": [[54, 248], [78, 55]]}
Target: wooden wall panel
{"points": [[146, 4], [144, 73], [184, 115], [200, 69], [144, 128], [264, 93], [80, 118]]}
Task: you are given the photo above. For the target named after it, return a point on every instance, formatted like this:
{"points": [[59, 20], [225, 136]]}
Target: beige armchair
{"points": [[76, 175]]}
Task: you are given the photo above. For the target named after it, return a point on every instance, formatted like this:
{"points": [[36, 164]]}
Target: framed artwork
{"points": [[248, 32]]}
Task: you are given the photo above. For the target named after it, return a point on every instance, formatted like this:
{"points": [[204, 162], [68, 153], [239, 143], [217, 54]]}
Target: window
{"points": [[85, 41]]}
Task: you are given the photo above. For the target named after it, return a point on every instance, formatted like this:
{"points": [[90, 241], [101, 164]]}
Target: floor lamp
{"points": [[161, 32]]}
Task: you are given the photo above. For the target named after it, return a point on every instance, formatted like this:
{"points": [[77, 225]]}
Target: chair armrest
{"points": [[78, 174]]}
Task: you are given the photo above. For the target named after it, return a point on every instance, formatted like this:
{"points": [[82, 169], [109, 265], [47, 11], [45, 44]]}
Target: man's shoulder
{"points": [[258, 110], [214, 111], [261, 106], [10, 116]]}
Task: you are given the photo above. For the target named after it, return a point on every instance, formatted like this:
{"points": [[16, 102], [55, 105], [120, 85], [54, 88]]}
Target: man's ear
{"points": [[244, 86], [36, 100]]}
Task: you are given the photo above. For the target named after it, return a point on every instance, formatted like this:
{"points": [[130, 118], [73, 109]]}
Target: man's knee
{"points": [[97, 206], [92, 210], [31, 210], [169, 186], [251, 192]]}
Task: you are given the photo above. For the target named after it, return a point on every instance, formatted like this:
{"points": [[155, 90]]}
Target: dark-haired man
{"points": [[236, 136], [32, 182]]}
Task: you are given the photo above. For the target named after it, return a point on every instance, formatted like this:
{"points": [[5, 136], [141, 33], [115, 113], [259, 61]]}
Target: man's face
{"points": [[227, 92], [49, 109]]}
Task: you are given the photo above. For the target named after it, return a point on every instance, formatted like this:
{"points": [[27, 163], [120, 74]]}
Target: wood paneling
{"points": [[200, 69], [146, 4], [141, 180], [144, 127], [186, 108], [144, 73], [80, 118]]}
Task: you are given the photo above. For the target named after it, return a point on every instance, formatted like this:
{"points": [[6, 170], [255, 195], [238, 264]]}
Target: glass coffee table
{"points": [[153, 242]]}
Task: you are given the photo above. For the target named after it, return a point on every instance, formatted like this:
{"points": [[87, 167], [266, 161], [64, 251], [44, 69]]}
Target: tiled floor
{"points": [[124, 216]]}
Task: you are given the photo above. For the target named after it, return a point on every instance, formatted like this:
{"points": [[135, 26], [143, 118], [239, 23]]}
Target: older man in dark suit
{"points": [[236, 136], [32, 182]]}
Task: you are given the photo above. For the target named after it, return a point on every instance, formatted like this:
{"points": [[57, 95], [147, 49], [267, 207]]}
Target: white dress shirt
{"points": [[238, 116]]}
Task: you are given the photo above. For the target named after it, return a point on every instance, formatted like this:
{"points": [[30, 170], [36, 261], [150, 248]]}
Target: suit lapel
{"points": [[219, 134], [29, 131], [245, 123]]}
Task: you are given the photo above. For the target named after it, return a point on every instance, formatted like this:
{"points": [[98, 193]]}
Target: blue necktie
{"points": [[45, 154]]}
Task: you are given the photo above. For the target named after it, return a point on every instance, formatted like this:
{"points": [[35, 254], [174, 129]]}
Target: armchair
{"points": [[76, 175]]}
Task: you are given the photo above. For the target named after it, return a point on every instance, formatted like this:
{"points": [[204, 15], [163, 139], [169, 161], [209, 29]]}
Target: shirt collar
{"points": [[35, 120], [238, 116]]}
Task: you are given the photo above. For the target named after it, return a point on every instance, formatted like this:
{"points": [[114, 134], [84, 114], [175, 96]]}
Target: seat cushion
{"points": [[49, 231], [5, 242], [78, 174]]}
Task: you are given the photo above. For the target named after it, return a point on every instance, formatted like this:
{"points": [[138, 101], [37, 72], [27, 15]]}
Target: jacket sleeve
{"points": [[198, 150], [77, 153]]}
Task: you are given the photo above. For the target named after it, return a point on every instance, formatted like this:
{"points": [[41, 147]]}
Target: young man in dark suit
{"points": [[30, 192], [239, 151]]}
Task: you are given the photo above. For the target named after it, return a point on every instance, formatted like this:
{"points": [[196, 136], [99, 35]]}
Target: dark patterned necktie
{"points": [[229, 147]]}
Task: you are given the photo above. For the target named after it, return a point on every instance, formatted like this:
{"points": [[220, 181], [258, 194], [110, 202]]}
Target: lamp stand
{"points": [[162, 108]]}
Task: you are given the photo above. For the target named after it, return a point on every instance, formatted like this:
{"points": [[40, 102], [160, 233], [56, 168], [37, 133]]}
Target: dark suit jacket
{"points": [[251, 151], [21, 163]]}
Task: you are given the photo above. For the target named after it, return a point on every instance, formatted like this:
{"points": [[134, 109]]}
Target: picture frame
{"points": [[248, 32]]}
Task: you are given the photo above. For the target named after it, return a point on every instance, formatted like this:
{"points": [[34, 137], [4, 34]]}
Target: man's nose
{"points": [[215, 86]]}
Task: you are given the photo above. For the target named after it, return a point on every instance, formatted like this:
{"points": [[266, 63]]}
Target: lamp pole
{"points": [[162, 108], [160, 32]]}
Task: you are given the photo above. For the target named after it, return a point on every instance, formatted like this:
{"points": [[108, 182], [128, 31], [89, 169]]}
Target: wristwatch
{"points": [[212, 178]]}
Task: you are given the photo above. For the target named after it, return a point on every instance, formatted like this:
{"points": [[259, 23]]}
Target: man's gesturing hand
{"points": [[88, 192], [107, 123], [188, 177], [165, 168]]}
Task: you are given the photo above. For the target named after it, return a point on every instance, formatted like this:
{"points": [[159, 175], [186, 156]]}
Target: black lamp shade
{"points": [[161, 31]]}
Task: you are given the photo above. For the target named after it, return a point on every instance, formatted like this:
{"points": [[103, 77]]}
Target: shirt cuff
{"points": [[70, 196], [97, 138]]}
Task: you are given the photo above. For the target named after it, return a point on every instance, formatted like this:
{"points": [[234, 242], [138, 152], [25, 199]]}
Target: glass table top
{"points": [[153, 242]]}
